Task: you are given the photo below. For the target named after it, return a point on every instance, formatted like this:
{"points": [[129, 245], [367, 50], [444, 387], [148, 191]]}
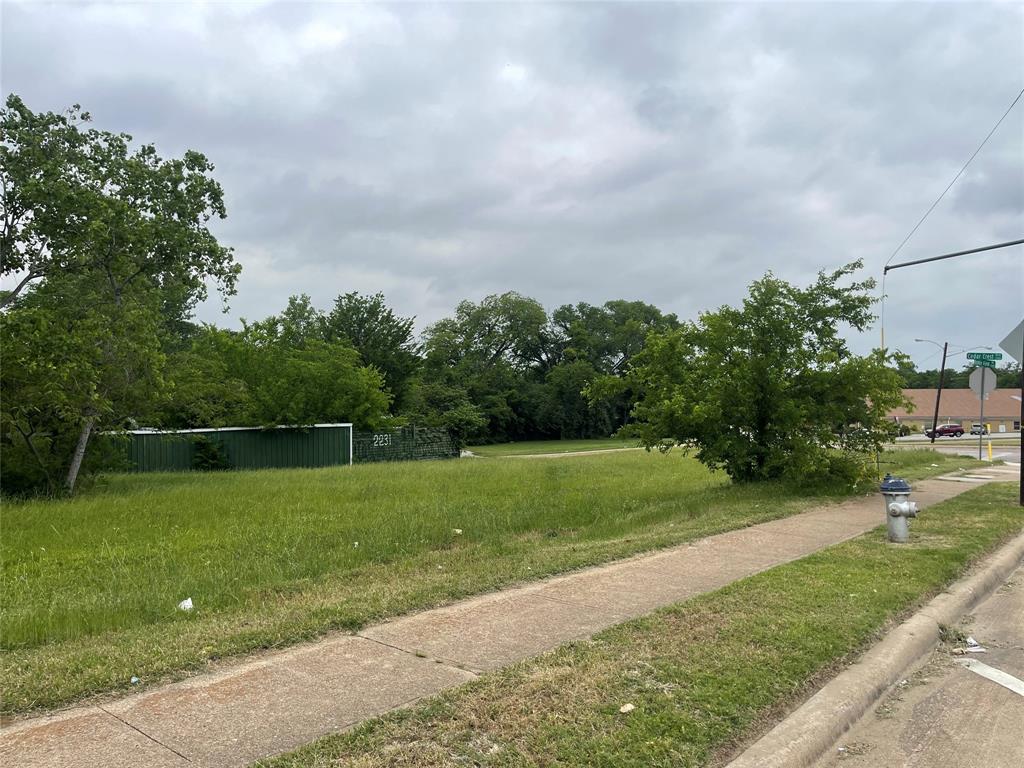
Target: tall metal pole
{"points": [[981, 431], [938, 394], [953, 255]]}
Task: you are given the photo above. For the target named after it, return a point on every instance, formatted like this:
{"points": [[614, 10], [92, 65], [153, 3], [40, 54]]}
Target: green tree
{"points": [[116, 237], [382, 339], [204, 388], [565, 411], [1008, 376], [770, 390], [299, 324], [526, 372], [262, 377], [493, 351], [607, 338], [610, 335], [78, 200], [317, 382], [506, 329], [435, 404], [68, 354]]}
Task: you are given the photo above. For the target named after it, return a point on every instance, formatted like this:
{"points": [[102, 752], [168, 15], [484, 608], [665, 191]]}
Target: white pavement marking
{"points": [[995, 675]]}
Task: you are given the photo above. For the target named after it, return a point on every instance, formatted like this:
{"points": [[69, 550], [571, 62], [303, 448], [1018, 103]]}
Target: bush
{"points": [[770, 390], [209, 455]]}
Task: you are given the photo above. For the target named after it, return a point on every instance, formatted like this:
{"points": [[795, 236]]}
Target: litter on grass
{"points": [[973, 646], [185, 605], [626, 708]]}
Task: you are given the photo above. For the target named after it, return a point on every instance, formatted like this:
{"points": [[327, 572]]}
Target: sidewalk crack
{"points": [[451, 663], [142, 732]]}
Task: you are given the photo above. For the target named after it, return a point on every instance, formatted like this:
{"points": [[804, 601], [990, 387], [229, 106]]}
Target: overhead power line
{"points": [[958, 175]]}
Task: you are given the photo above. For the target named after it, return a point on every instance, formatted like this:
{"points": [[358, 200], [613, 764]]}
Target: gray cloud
{"points": [[667, 152]]}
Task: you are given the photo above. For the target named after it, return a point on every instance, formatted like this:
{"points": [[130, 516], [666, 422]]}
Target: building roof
{"points": [[960, 405]]}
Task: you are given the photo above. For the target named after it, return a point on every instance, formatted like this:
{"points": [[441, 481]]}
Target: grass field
{"points": [[701, 677], [536, 447], [90, 585]]}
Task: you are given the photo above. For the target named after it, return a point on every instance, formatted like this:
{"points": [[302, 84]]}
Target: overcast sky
{"points": [[575, 152]]}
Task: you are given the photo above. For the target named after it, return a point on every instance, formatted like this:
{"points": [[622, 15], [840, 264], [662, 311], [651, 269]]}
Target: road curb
{"points": [[812, 729]]}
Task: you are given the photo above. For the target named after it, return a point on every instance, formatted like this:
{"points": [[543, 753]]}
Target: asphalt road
{"points": [[945, 715], [1004, 448]]}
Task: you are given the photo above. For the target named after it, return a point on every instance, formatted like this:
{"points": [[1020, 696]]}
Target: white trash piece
{"points": [[973, 646], [185, 605]]}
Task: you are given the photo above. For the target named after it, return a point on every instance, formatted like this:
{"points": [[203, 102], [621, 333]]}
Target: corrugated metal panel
{"points": [[318, 446], [169, 453]]}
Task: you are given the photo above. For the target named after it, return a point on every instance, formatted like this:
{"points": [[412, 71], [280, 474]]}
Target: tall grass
{"points": [[127, 553], [91, 585]]}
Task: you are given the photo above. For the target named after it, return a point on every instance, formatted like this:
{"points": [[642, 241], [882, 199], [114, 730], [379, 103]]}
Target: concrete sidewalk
{"points": [[279, 701]]}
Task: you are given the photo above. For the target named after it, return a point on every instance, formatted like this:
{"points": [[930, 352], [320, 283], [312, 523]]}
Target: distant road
{"points": [[967, 438], [1004, 447]]}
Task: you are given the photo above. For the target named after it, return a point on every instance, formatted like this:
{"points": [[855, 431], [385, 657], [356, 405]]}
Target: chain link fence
{"points": [[405, 444]]}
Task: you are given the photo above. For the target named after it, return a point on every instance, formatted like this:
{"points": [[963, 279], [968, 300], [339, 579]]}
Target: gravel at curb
{"points": [[811, 730]]}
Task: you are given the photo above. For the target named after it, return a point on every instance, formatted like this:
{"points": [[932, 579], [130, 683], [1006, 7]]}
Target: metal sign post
{"points": [[982, 386], [981, 416], [1013, 345]]}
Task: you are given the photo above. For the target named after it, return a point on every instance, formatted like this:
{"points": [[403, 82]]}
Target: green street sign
{"points": [[985, 363], [985, 356]]}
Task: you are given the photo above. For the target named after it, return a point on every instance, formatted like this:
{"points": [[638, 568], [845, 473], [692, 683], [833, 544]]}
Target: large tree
{"points": [[382, 338], [109, 238], [525, 372], [493, 352], [770, 390]]}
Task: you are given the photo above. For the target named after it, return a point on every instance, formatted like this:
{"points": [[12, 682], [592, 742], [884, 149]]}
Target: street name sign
{"points": [[985, 363], [984, 355]]}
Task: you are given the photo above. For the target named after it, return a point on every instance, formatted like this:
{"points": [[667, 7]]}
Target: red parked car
{"points": [[946, 430]]}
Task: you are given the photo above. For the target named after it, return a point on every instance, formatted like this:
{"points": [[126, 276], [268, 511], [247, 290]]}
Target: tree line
{"points": [[109, 249], [1007, 376], [498, 370]]}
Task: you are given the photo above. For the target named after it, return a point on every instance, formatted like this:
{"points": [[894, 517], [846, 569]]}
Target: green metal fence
{"points": [[405, 444], [320, 445]]}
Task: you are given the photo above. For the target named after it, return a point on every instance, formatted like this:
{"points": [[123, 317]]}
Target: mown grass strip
{"points": [[701, 676], [540, 447], [90, 585]]}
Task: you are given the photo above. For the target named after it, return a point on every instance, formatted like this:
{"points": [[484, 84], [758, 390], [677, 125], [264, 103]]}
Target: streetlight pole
{"points": [[938, 393], [942, 372]]}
